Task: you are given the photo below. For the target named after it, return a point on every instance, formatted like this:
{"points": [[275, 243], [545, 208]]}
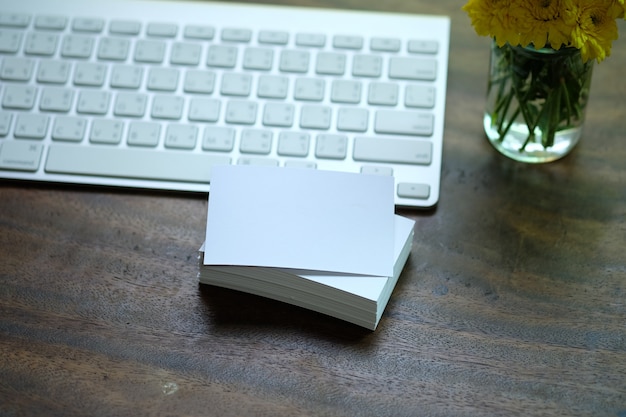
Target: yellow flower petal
{"points": [[589, 25], [594, 27]]}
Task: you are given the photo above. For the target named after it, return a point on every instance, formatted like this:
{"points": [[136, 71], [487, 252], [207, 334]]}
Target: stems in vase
{"points": [[544, 91]]}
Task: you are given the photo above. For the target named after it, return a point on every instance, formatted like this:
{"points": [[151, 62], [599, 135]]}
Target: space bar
{"points": [[132, 163]]}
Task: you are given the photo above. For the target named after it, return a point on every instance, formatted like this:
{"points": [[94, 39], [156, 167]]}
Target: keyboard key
{"points": [[93, 102], [367, 66], [31, 126], [236, 35], [273, 37], [241, 112], [14, 20], [419, 96], [163, 79], [413, 69], [309, 89], [68, 128], [351, 119], [222, 56], [376, 170], [167, 107], [294, 61], [404, 123], [162, 30], [311, 39], [125, 27], [256, 141], [130, 105], [144, 134], [113, 49], [180, 136], [89, 74], [19, 97], [10, 41], [126, 76], [5, 122], [77, 46], [92, 25], [53, 72], [236, 84], [271, 86], [423, 47], [246, 160], [278, 114], [413, 190], [51, 22], [204, 110], [132, 163], [56, 99], [16, 69], [385, 44], [300, 163], [404, 151], [383, 94], [199, 32], [258, 59], [293, 144], [202, 82], [185, 54], [344, 91], [348, 42], [330, 63], [331, 146], [40, 43], [20, 156], [315, 117], [220, 139], [149, 51], [106, 131]]}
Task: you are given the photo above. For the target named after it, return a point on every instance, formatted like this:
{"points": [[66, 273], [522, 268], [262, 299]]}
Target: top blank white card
{"points": [[300, 219]]}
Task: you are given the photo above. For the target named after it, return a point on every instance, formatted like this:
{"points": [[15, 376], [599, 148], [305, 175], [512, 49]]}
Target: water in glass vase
{"points": [[536, 101], [516, 144]]}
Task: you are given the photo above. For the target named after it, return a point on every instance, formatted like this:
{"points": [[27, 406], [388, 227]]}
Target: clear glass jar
{"points": [[536, 101]]}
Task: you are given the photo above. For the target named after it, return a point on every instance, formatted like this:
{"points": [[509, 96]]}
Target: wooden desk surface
{"points": [[513, 301]]}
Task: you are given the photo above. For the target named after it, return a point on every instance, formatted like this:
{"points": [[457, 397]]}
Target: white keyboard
{"points": [[152, 94]]}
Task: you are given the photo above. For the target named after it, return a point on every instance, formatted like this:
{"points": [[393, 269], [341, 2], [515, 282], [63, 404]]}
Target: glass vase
{"points": [[536, 101]]}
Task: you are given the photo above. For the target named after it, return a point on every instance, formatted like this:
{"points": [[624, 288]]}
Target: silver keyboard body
{"points": [[152, 94]]}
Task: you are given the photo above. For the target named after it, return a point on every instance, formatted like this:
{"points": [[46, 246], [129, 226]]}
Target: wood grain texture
{"points": [[513, 301]]}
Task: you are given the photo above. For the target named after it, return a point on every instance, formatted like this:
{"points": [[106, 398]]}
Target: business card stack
{"points": [[322, 240]]}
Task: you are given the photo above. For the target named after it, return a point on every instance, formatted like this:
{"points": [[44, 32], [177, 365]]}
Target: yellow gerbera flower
{"points": [[493, 18], [594, 27], [620, 9], [588, 25], [540, 23]]}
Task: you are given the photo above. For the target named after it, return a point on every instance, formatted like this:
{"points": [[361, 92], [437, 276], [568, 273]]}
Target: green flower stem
{"points": [[530, 123], [566, 100], [504, 132], [502, 109], [554, 105], [531, 126], [547, 89]]}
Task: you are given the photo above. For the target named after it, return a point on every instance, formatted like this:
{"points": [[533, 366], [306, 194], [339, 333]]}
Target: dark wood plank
{"points": [[512, 302]]}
